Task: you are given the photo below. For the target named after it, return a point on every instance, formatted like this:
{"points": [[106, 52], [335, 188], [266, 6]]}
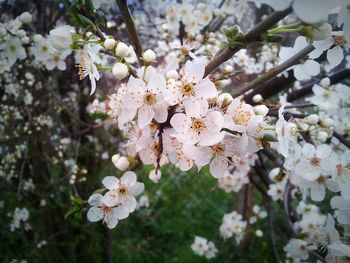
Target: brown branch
{"points": [[130, 27], [341, 139], [252, 36], [275, 71]]}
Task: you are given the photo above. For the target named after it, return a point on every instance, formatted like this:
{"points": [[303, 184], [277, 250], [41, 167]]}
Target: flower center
{"points": [[187, 89], [106, 209], [12, 48], [339, 40], [340, 169], [242, 117], [149, 98], [198, 125], [122, 190], [219, 149], [315, 161]]}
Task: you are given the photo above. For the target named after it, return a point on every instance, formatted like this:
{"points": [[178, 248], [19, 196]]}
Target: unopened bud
{"points": [[312, 119], [149, 56], [261, 110], [109, 43], [322, 136], [120, 71], [122, 50], [257, 98]]}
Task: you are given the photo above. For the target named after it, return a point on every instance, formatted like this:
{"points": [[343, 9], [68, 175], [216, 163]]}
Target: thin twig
{"points": [[252, 36], [130, 27], [341, 139], [275, 71]]}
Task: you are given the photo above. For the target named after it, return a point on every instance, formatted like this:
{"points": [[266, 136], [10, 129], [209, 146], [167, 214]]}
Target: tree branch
{"points": [[275, 71], [341, 139], [251, 36], [130, 27]]}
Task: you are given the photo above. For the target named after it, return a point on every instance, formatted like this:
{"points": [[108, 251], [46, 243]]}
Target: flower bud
{"points": [[172, 74], [122, 50], [25, 17], [154, 177], [257, 98], [149, 56], [261, 110], [109, 43], [120, 162], [228, 69], [61, 37], [25, 40], [259, 233], [312, 119], [38, 38], [20, 33], [325, 82], [322, 136], [225, 98], [120, 71], [328, 122]]}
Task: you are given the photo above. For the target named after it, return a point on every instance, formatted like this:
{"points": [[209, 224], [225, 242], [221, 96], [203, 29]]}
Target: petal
{"points": [[111, 220], [190, 137], [318, 193], [208, 138], [120, 212], [180, 122], [311, 11], [214, 121], [161, 113], [95, 200], [312, 67], [110, 182], [194, 72], [335, 56], [136, 189], [192, 106], [299, 73], [309, 150], [129, 178], [94, 214], [130, 203], [145, 116], [323, 151], [206, 89], [218, 168]]}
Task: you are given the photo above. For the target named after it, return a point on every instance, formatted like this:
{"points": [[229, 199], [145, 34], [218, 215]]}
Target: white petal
{"points": [[300, 73], [324, 151], [136, 189], [120, 212], [208, 138], [214, 121], [130, 203], [218, 168], [111, 220], [161, 113], [94, 214], [311, 11], [180, 122], [128, 178], [312, 67], [194, 71], [206, 89], [145, 116], [309, 150], [192, 106], [95, 200], [318, 193], [110, 182], [335, 56]]}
